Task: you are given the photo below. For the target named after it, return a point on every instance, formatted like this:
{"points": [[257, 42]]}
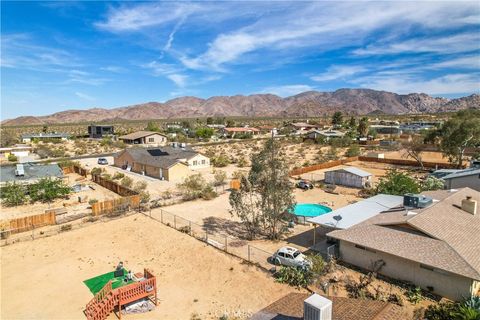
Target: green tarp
{"points": [[97, 283]]}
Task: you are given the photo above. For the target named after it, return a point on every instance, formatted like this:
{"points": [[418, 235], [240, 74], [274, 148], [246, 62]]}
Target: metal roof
{"points": [[462, 173], [355, 171], [45, 135], [358, 212], [32, 172]]}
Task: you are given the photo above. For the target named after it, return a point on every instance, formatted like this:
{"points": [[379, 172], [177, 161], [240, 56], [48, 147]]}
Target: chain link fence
{"points": [[234, 246]]}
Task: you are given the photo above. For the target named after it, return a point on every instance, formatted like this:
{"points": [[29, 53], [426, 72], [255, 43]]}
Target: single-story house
{"points": [[303, 126], [432, 242], [386, 129], [463, 178], [216, 126], [26, 138], [271, 130], [18, 151], [145, 137], [166, 163], [100, 131], [231, 132], [349, 177], [325, 134], [29, 173]]}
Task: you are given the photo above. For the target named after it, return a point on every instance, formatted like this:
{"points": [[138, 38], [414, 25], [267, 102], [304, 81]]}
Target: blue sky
{"points": [[75, 55]]}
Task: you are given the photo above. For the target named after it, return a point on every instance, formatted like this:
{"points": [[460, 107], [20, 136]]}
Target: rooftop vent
{"points": [[317, 307], [416, 201], [469, 205]]}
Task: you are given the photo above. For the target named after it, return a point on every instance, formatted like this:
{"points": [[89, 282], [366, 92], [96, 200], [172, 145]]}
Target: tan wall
{"points": [[198, 159], [176, 172], [445, 284], [158, 139]]}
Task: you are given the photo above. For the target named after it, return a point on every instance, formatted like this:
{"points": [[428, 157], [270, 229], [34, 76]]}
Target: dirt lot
{"points": [[100, 193], [43, 278]]}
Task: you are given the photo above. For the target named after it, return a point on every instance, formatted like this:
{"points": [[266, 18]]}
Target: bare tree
{"points": [[414, 149]]}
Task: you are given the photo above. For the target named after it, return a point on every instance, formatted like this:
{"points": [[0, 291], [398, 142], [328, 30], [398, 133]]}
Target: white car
{"points": [[291, 257]]}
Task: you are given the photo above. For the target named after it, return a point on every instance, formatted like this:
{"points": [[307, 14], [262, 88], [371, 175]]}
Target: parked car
{"points": [[102, 161], [304, 184], [291, 257]]}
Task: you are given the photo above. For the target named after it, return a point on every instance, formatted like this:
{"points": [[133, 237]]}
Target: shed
{"points": [[463, 178], [349, 177]]}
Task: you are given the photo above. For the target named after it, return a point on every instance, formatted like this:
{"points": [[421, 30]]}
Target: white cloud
{"points": [[114, 69], [83, 77], [338, 72], [447, 84], [288, 90], [467, 62], [84, 96], [179, 79]]}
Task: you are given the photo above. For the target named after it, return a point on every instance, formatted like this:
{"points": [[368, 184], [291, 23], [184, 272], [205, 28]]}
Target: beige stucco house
{"points": [[435, 245], [166, 163], [145, 138]]}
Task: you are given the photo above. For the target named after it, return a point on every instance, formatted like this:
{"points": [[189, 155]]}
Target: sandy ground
{"points": [[100, 193], [426, 156], [43, 278]]}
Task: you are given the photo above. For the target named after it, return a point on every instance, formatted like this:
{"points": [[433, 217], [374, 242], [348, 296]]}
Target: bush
{"points": [[68, 163], [92, 201], [126, 182], [13, 194], [96, 171], [242, 162], [432, 183], [208, 193], [414, 294], [144, 196], [12, 158], [48, 189], [192, 187], [118, 175], [140, 186], [220, 161], [219, 177], [295, 277], [397, 183], [65, 227], [353, 151]]}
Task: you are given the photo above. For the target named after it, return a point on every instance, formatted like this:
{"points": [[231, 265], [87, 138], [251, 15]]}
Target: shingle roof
{"points": [[447, 237], [290, 307], [163, 157], [138, 135], [32, 172]]}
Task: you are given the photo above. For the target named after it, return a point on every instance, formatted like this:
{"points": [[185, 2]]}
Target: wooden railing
{"points": [[104, 302]]}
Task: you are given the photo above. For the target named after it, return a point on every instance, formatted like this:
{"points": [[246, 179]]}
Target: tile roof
{"points": [[446, 236], [138, 135], [290, 307], [162, 157]]}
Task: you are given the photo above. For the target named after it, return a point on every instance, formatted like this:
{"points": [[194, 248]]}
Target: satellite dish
{"points": [[337, 218]]}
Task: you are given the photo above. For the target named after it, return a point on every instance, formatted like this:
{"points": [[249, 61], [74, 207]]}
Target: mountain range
{"points": [[306, 104]]}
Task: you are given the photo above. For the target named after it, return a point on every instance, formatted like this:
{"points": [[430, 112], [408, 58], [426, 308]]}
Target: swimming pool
{"points": [[303, 211]]}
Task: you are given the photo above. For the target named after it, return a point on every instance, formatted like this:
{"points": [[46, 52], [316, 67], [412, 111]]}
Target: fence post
{"points": [[206, 236], [226, 243], [248, 253], [175, 221], [190, 227], [33, 231], [161, 215]]}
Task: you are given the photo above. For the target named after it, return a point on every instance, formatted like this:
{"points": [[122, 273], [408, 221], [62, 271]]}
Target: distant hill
{"points": [[310, 103]]}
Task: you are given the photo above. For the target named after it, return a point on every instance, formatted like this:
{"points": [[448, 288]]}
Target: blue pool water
{"points": [[310, 209]]}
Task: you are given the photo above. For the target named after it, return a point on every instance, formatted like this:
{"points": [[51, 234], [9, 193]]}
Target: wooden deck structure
{"points": [[107, 299]]}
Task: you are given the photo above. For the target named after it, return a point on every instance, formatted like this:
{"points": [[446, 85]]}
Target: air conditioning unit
{"points": [[317, 307], [416, 201], [20, 171]]}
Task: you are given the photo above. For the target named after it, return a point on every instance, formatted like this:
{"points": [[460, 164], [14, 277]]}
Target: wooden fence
{"points": [[113, 186], [411, 163], [28, 223], [116, 205], [81, 171], [325, 165]]}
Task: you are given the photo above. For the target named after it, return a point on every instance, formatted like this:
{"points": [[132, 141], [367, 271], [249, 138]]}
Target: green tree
{"points": [[13, 194], [397, 183], [363, 127], [458, 133], [205, 133], [353, 151], [337, 118], [352, 123], [432, 183], [246, 204], [152, 126], [47, 190], [209, 120], [414, 149], [269, 176]]}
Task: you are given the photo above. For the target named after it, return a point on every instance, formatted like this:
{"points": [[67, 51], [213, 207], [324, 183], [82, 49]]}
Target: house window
{"points": [[151, 139], [203, 161], [195, 162]]}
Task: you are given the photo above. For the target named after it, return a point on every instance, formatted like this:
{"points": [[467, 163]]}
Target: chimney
{"points": [[469, 205]]}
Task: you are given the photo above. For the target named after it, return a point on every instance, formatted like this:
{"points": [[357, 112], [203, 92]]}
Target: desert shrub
{"points": [[140, 186], [107, 176], [118, 175], [208, 193], [48, 189], [239, 174], [144, 196], [68, 163], [92, 201], [242, 162], [126, 182], [432, 183], [295, 277], [167, 194], [219, 177], [65, 227], [414, 294], [353, 151], [13, 194], [96, 171], [318, 265], [192, 186], [220, 161], [12, 158]]}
